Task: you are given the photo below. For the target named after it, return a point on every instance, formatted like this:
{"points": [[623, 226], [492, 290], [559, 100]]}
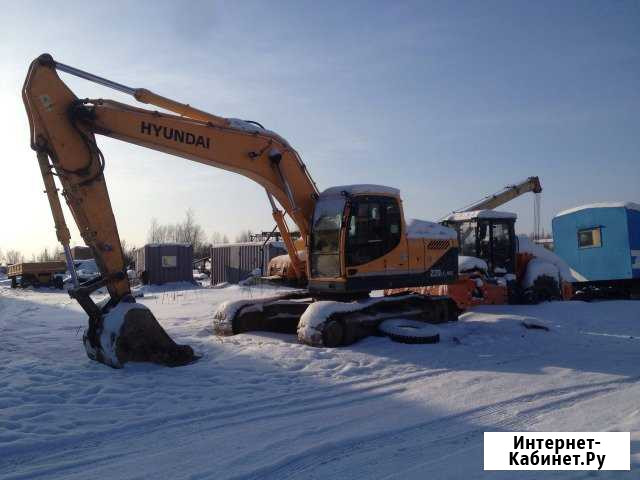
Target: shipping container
{"points": [[600, 242], [80, 252], [160, 263], [233, 262]]}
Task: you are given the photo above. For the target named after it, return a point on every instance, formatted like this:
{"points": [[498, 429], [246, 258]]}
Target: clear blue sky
{"points": [[447, 101]]}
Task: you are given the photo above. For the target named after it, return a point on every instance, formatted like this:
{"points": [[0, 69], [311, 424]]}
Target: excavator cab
{"points": [[353, 230], [488, 235], [359, 242]]}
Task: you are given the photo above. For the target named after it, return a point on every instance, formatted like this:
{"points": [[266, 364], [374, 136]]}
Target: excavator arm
{"points": [[63, 130]]}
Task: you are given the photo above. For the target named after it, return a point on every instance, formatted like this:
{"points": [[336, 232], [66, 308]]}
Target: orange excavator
{"points": [[354, 239]]}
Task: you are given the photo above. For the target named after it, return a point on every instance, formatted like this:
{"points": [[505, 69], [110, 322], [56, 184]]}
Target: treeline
{"points": [[191, 232], [187, 231], [11, 257]]}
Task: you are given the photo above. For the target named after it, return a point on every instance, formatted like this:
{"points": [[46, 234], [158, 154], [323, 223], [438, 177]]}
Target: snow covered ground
{"points": [[264, 406]]}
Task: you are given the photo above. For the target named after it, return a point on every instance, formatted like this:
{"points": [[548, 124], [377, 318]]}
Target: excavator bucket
{"points": [[129, 332]]}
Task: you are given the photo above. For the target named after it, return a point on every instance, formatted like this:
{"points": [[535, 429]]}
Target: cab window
{"points": [[373, 229], [325, 237], [502, 258], [467, 232]]}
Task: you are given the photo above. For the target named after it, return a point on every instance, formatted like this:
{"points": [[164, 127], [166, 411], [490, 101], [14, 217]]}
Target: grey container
{"points": [[160, 263], [80, 252], [233, 262]]}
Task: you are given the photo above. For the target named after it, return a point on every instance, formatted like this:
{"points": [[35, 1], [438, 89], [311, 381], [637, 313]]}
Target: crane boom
{"points": [[508, 193]]}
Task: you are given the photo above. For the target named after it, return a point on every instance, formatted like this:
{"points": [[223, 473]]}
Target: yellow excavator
{"points": [[354, 239]]}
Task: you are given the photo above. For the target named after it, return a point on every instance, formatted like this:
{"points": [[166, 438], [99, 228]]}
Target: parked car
{"points": [[85, 270]]}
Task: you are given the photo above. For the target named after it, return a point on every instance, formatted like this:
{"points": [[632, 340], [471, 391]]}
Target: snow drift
{"points": [[563, 270]]}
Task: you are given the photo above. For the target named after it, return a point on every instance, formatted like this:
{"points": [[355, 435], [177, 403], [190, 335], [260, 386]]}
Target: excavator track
{"points": [[328, 323], [279, 313]]}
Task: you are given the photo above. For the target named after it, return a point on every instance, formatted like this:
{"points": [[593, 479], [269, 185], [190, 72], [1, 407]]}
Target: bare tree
{"points": [[44, 255], [244, 236], [13, 257], [49, 256], [157, 233], [152, 233], [217, 238], [188, 228], [171, 233], [128, 252], [188, 231]]}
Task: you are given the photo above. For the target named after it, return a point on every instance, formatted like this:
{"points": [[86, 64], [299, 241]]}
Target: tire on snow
{"points": [[333, 334], [409, 331], [544, 289]]}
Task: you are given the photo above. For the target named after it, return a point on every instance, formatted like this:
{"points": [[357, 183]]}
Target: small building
{"points": [[80, 252], [233, 262], [159, 263], [600, 242]]}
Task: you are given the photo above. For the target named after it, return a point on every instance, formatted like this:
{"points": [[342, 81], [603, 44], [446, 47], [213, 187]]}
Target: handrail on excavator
{"points": [[142, 95]]}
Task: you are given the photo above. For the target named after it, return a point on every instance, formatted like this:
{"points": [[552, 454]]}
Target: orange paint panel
{"points": [[416, 255], [465, 292]]}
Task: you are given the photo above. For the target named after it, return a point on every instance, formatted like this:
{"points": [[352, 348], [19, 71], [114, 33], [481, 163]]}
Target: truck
{"points": [[37, 274]]}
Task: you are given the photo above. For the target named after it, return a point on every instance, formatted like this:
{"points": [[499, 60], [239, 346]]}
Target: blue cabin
{"points": [[600, 242]]}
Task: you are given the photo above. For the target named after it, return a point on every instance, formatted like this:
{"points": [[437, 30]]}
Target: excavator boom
{"points": [[63, 131], [63, 127]]}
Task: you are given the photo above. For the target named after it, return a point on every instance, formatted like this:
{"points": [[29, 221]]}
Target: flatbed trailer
{"points": [[37, 274]]}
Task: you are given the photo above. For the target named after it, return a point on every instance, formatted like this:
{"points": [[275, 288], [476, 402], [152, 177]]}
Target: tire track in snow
{"points": [[313, 401], [276, 406], [417, 437], [519, 422]]}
